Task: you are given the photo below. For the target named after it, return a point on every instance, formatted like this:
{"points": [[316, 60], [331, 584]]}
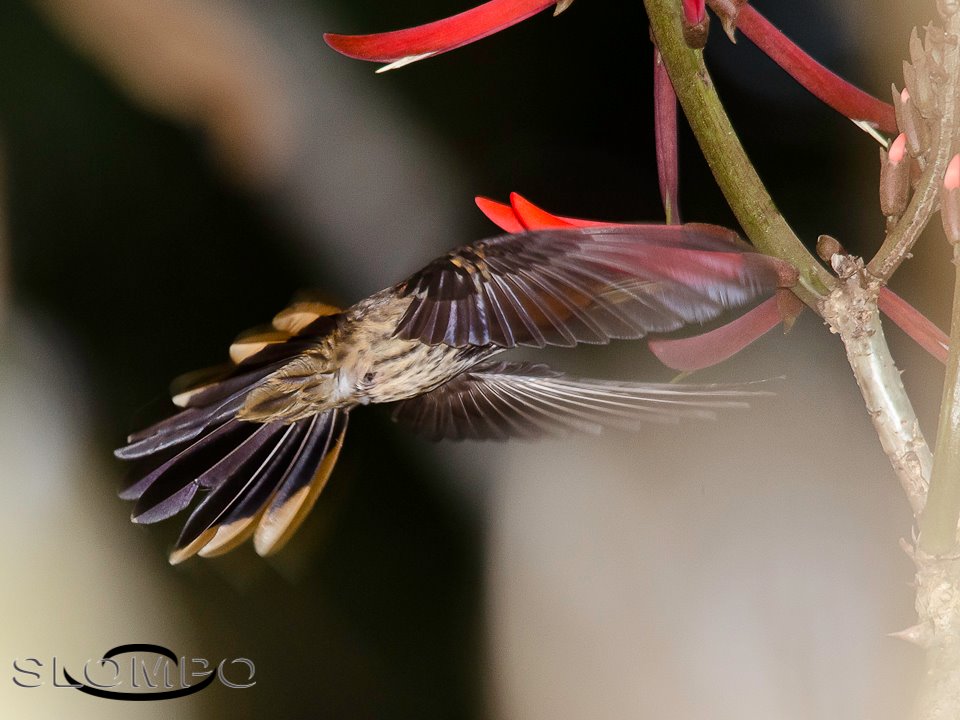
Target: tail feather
{"points": [[195, 458], [237, 472], [240, 519], [169, 489], [253, 472], [260, 479], [233, 510], [185, 425], [203, 387], [302, 483]]}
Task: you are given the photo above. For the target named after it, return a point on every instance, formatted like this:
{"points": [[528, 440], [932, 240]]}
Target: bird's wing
{"points": [[500, 400], [258, 479], [562, 287]]}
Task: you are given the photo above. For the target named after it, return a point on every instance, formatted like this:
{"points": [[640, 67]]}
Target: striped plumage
{"points": [[259, 437]]}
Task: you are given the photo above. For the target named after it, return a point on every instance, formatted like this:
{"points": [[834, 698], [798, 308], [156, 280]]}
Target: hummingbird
{"points": [[259, 436]]}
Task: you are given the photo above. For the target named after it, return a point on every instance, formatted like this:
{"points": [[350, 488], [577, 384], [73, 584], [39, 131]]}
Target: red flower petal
{"points": [[914, 323], [499, 214], [506, 218], [833, 90], [702, 351], [532, 217], [401, 47], [665, 134]]}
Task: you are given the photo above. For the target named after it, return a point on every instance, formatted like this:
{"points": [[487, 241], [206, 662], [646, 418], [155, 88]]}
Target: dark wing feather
{"points": [[563, 287], [496, 401]]}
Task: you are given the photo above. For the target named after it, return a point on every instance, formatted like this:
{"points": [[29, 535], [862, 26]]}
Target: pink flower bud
{"points": [[894, 178], [950, 201], [897, 149], [951, 180]]}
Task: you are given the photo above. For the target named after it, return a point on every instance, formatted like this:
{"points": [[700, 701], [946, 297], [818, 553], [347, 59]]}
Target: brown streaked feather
{"points": [[563, 287], [289, 393], [500, 400]]}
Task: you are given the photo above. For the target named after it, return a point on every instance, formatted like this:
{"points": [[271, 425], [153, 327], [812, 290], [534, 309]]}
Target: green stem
{"points": [[732, 169]]}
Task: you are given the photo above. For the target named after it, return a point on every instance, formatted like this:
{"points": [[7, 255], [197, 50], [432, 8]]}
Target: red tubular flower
{"points": [[665, 135], [710, 348], [831, 89], [914, 323], [402, 47]]}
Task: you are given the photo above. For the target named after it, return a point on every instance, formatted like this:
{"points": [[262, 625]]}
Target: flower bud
{"points": [[696, 23], [917, 80], [828, 246], [894, 178], [950, 201], [913, 125], [899, 98], [934, 41]]}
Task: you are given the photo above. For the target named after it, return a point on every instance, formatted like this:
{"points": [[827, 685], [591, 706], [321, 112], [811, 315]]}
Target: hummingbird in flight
{"points": [[258, 438]]}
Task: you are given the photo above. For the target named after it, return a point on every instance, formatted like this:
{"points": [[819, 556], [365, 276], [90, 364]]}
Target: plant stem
{"points": [[732, 169], [851, 311], [938, 524], [850, 306]]}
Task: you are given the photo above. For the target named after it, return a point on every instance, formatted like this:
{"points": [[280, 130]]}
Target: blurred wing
{"points": [[496, 401], [562, 287]]}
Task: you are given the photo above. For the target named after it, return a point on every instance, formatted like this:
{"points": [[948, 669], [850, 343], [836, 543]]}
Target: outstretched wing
{"points": [[563, 287], [496, 401]]}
